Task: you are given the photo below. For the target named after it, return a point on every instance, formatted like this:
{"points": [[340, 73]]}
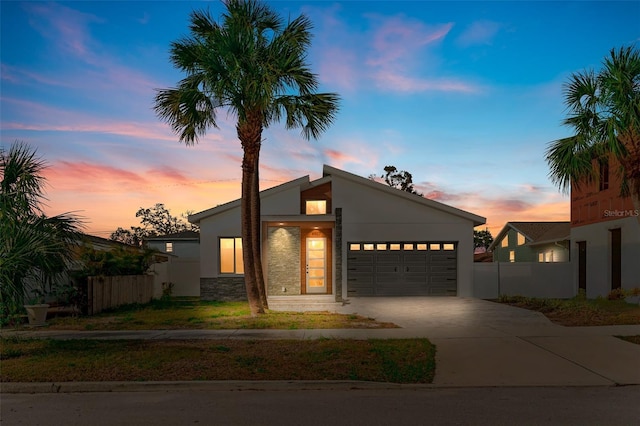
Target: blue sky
{"points": [[464, 95]]}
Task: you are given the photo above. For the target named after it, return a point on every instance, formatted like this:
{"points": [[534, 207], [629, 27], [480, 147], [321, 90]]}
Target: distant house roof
{"points": [[184, 235], [100, 243], [536, 233]]}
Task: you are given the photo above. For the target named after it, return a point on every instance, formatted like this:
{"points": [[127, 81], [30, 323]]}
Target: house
{"points": [[341, 236], [605, 234], [181, 244], [532, 242], [182, 269]]}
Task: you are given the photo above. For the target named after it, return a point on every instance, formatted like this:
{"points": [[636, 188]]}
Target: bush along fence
{"points": [[111, 292]]}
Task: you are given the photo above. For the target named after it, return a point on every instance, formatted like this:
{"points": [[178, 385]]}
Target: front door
{"points": [[316, 265]]}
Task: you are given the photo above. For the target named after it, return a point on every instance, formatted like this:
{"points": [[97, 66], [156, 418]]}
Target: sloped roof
{"points": [[477, 220], [327, 172], [184, 235], [536, 232]]}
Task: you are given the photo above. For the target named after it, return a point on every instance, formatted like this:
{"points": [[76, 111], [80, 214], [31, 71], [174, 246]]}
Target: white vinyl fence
{"points": [[530, 279]]}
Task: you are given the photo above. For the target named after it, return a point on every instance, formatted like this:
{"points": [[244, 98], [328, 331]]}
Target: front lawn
{"points": [[191, 313], [46, 360], [579, 311]]}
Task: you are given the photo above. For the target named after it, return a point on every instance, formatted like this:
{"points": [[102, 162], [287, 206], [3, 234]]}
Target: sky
{"points": [[465, 96]]}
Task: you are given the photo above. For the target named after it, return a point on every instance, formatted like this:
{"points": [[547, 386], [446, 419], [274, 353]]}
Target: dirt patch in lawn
{"points": [[579, 311]]}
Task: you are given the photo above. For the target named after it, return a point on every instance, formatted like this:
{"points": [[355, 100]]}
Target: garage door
{"points": [[402, 269]]}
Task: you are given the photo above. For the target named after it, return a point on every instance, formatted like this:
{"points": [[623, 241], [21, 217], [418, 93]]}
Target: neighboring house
{"points": [[181, 244], [532, 242], [605, 234], [182, 269], [341, 236]]}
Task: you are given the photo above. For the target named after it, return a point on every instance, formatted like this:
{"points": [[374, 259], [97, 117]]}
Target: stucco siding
{"points": [[598, 265], [369, 214]]}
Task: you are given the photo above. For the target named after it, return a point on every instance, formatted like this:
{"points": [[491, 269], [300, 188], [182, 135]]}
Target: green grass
{"points": [[45, 360], [190, 313], [579, 311]]}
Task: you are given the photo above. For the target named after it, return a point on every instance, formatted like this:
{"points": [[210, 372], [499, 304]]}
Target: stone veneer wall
{"points": [[226, 289], [338, 255], [283, 245]]}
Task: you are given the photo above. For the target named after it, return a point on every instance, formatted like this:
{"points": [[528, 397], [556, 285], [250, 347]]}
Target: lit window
{"points": [[368, 247], [505, 241], [381, 247], [168, 247], [512, 256], [316, 207], [521, 239], [394, 246], [231, 256], [354, 247], [407, 247], [434, 247], [540, 257], [448, 247], [421, 247], [548, 256]]}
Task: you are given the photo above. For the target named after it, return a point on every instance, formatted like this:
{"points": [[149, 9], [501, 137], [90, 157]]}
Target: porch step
{"points": [[304, 303]]}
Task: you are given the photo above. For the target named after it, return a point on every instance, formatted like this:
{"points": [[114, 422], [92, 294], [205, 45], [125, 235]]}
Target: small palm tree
{"points": [[254, 66], [604, 112], [34, 248]]}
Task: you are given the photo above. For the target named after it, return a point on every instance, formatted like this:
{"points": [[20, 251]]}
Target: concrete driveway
{"points": [[482, 343]]}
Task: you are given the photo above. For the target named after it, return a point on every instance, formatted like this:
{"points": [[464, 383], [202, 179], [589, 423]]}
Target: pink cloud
{"points": [[68, 27], [399, 39], [392, 81], [339, 67], [480, 32]]}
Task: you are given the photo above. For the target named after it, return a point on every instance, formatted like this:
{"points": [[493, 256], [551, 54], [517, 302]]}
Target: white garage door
{"points": [[402, 269]]}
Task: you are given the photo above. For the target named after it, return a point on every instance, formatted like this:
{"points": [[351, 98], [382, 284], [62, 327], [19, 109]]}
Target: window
{"points": [[368, 247], [448, 247], [604, 176], [407, 247], [521, 239], [354, 247], [231, 256], [316, 207], [421, 247], [505, 241], [434, 247], [381, 247], [541, 257], [394, 246], [512, 256], [168, 247]]}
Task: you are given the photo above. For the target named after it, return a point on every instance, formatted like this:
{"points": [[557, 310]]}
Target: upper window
{"points": [[231, 256], [505, 241], [168, 247], [604, 176], [521, 239], [316, 207]]}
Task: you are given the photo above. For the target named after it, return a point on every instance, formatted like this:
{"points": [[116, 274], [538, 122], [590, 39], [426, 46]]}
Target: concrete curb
{"points": [[239, 386]]}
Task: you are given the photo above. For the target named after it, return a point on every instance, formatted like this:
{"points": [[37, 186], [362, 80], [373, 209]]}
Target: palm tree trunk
{"points": [[250, 134], [257, 232], [253, 294]]}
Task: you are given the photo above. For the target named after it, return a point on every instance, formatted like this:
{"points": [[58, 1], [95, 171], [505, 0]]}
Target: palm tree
{"points": [[34, 248], [254, 66], [604, 112]]}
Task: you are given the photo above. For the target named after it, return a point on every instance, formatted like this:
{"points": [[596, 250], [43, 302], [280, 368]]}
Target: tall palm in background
{"points": [[34, 249], [604, 112], [254, 66]]}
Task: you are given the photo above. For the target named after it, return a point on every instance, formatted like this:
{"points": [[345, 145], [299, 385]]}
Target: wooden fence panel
{"points": [[111, 292]]}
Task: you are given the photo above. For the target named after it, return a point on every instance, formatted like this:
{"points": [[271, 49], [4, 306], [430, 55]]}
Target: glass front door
{"points": [[316, 265]]}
